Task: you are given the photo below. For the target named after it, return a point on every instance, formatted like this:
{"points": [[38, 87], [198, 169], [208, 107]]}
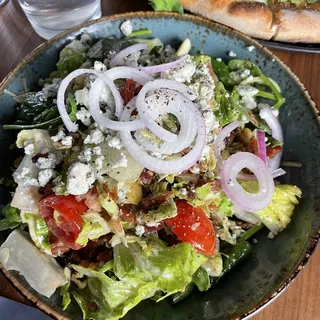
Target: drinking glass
{"points": [[50, 17]]}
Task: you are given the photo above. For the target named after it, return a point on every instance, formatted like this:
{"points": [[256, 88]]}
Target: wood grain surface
{"points": [[17, 39]]}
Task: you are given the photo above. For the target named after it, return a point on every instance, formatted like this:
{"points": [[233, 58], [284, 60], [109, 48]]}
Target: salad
{"points": [[145, 173]]}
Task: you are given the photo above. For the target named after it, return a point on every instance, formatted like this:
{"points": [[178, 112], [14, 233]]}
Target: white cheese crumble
{"points": [[249, 102], [121, 162], [183, 73], [80, 178], [247, 91], [140, 230], [84, 116], [126, 28], [85, 155], [82, 96], [250, 48], [99, 163], [219, 59], [95, 137], [99, 66], [183, 191], [114, 142], [121, 195], [232, 54], [45, 176], [62, 138], [67, 141], [29, 148], [50, 161]]}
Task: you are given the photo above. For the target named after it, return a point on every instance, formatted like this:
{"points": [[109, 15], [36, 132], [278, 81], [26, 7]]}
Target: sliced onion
{"points": [[102, 119], [275, 174], [251, 202], [219, 144], [144, 112], [276, 131], [72, 127], [117, 59], [185, 111], [165, 66], [159, 165], [262, 150]]}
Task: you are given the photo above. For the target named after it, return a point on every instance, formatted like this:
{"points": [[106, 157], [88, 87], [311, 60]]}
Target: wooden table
{"points": [[17, 39]]}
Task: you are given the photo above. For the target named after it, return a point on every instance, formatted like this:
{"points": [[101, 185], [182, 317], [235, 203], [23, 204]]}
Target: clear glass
{"points": [[50, 17]]}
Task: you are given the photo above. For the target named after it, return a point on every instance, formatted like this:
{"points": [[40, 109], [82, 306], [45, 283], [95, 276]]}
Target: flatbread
{"points": [[279, 21]]}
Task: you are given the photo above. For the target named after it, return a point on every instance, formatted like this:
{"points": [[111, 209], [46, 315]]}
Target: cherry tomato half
{"points": [[193, 226], [67, 224]]}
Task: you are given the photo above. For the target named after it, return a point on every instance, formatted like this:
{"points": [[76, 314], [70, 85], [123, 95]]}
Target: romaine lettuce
{"points": [[139, 274]]}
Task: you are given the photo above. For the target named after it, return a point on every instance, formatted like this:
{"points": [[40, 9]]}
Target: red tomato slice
{"points": [[129, 91], [193, 226], [69, 223]]}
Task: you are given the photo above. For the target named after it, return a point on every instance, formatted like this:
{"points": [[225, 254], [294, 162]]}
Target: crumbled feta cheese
{"points": [[82, 96], [114, 142], [232, 54], [28, 148], [24, 172], [99, 163], [29, 181], [97, 151], [59, 136], [84, 116], [183, 73], [99, 66], [249, 102], [195, 169], [126, 28], [81, 44], [205, 153], [140, 230], [247, 91], [50, 161], [50, 90], [85, 155], [183, 191], [132, 60], [67, 141], [45, 176], [121, 195], [250, 48], [95, 137], [121, 162], [210, 121], [80, 178], [238, 76], [219, 59]]}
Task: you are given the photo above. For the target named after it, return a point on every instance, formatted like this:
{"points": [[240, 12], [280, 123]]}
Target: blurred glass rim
{"points": [[3, 2]]}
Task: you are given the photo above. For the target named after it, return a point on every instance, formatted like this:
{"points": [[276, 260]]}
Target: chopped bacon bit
{"points": [[146, 177], [57, 246], [130, 90], [104, 256], [252, 147], [272, 152], [151, 201], [39, 155], [91, 200], [127, 214]]}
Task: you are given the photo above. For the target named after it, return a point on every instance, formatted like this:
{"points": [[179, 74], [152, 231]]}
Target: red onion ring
{"points": [[185, 111], [262, 150], [72, 127], [164, 66], [275, 174], [251, 202], [276, 131], [144, 112], [158, 165], [116, 60]]}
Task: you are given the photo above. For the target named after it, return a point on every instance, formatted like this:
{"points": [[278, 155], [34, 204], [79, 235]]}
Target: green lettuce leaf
{"points": [[139, 272], [11, 218], [277, 215], [166, 5], [166, 210], [93, 228], [201, 279]]}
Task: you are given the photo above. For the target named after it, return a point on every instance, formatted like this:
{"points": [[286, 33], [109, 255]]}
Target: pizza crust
{"points": [[298, 25], [252, 18]]}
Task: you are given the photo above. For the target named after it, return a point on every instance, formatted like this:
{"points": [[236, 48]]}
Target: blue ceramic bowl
{"points": [[274, 264]]}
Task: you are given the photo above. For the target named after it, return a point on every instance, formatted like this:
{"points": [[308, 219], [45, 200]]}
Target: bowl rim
{"points": [[315, 238]]}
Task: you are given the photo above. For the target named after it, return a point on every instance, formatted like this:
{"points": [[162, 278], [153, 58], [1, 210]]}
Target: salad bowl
{"points": [[273, 263]]}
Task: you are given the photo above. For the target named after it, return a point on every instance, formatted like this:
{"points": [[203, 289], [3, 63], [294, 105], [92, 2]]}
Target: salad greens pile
{"points": [[111, 226]]}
